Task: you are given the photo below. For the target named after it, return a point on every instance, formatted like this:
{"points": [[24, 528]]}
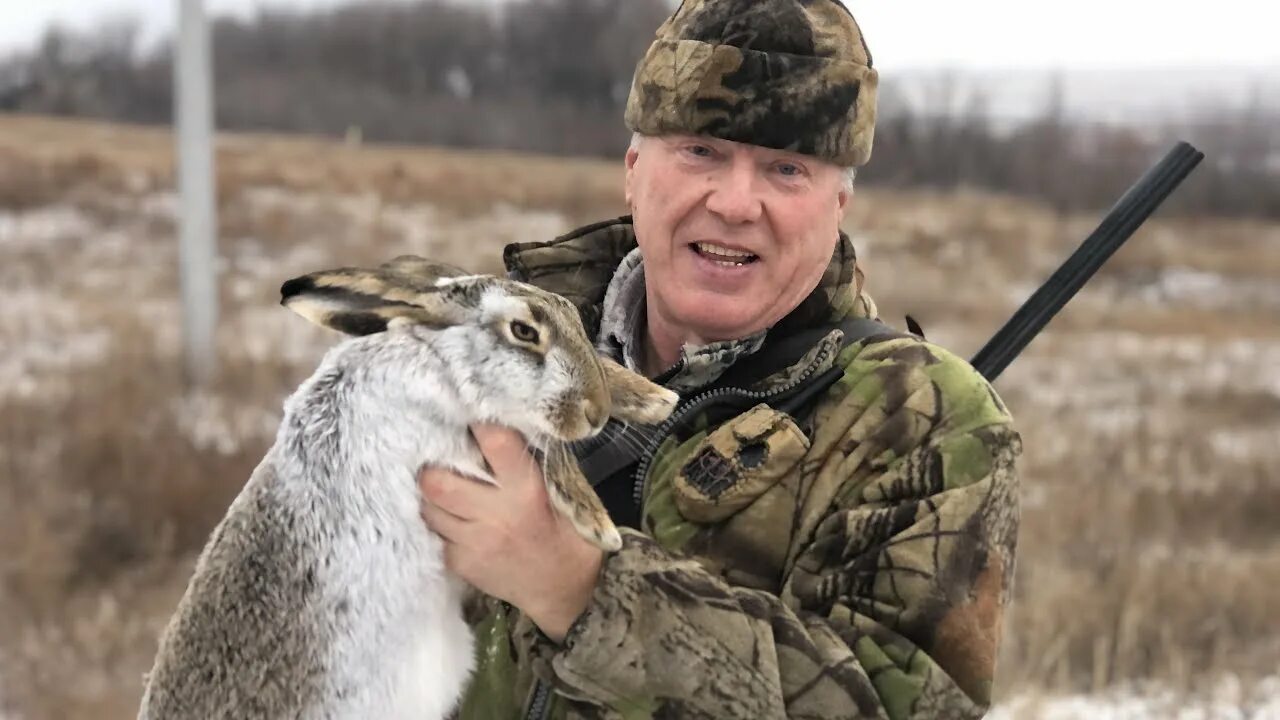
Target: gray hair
{"points": [[850, 173]]}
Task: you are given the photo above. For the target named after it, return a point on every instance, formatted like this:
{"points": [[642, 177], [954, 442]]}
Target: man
{"points": [[845, 555]]}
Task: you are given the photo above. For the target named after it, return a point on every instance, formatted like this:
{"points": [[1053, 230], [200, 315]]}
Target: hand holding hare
{"points": [[506, 541], [323, 594]]}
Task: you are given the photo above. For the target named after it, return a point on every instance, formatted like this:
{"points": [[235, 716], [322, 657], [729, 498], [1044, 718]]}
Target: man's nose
{"points": [[733, 195]]}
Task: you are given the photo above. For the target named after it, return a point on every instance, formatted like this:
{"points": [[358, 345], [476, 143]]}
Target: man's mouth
{"points": [[723, 255]]}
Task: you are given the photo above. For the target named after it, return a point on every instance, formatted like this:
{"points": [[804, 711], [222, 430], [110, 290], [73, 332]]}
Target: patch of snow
{"points": [[161, 205], [263, 199], [1019, 292], [1099, 369], [215, 422], [1228, 699], [40, 227], [1213, 291], [42, 335], [250, 263], [265, 333], [1243, 443]]}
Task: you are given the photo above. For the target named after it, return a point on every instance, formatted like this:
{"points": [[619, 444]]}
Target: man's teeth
{"points": [[717, 250], [729, 255]]}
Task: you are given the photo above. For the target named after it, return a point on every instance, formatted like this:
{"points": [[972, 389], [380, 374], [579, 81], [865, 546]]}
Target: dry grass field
{"points": [[1149, 571]]}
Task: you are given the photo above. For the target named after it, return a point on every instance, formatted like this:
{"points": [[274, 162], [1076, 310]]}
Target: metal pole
{"points": [[197, 220]]}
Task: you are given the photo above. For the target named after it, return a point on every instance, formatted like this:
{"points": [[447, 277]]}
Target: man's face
{"points": [[734, 236]]}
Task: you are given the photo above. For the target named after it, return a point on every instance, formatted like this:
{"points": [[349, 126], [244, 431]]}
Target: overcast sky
{"points": [[901, 33]]}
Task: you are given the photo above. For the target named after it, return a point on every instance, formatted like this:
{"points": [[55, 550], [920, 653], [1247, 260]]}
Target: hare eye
{"points": [[524, 332]]}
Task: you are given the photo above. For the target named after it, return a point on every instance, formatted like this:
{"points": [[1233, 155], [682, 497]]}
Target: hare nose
{"points": [[594, 413]]}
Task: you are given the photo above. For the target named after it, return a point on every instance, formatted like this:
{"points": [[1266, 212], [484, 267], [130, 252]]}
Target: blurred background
{"points": [[1148, 578]]}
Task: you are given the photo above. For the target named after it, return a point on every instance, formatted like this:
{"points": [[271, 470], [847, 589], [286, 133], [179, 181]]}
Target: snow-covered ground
{"points": [[85, 279], [1229, 699], [113, 260]]}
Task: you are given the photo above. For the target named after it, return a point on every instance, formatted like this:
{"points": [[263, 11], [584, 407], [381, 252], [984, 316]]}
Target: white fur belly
{"points": [[433, 679], [410, 653]]}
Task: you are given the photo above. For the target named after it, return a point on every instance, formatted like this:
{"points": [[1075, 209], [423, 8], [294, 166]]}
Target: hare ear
{"points": [[421, 270], [572, 496], [362, 302], [634, 398]]}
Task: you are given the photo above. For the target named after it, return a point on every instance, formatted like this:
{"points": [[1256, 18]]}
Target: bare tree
{"points": [[554, 75]]}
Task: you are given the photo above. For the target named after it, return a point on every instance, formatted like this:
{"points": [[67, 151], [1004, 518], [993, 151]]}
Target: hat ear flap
{"points": [[363, 302]]}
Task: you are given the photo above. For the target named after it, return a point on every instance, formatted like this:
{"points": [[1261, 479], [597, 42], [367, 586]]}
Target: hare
{"points": [[322, 593]]}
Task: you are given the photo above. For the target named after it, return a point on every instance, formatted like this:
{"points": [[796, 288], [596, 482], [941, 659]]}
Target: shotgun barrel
{"points": [[1124, 218]]}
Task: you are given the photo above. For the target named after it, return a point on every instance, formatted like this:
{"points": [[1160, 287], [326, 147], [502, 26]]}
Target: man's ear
{"points": [[633, 398], [361, 302], [844, 198], [633, 154]]}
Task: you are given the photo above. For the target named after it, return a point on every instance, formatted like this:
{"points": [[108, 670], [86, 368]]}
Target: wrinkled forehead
{"points": [[731, 146]]}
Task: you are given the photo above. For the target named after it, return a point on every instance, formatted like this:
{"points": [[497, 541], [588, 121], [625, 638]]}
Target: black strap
{"points": [[778, 355], [606, 457]]}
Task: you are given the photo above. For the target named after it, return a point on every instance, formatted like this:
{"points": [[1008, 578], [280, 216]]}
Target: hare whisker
{"points": [[634, 437]]}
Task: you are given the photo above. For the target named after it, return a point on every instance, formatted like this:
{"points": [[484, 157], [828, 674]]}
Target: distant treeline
{"points": [[553, 76]]}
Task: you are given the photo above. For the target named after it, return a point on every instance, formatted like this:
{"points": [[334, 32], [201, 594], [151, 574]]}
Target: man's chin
{"points": [[721, 319]]}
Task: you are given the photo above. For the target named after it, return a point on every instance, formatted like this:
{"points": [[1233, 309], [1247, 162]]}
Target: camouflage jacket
{"points": [[856, 567]]}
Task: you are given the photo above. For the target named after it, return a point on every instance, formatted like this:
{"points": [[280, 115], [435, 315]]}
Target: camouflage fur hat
{"points": [[788, 74]]}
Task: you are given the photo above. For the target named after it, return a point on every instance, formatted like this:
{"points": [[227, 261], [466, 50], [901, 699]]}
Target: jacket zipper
{"points": [[706, 399], [540, 706], [541, 702]]}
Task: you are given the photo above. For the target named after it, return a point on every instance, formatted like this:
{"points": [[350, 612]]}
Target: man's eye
{"points": [[524, 332], [699, 150], [790, 169]]}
